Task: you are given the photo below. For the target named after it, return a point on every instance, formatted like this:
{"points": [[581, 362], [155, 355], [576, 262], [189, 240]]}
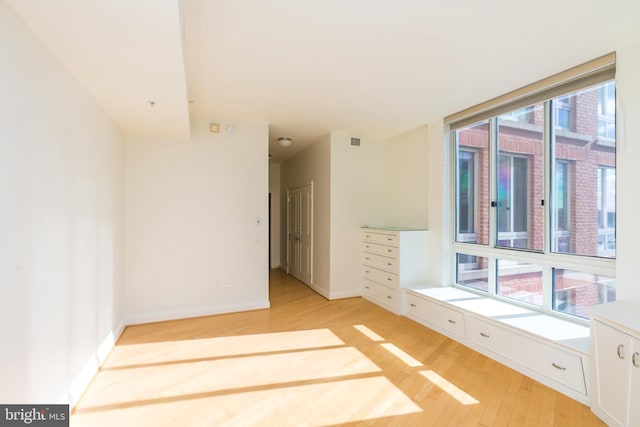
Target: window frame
{"points": [[547, 259]]}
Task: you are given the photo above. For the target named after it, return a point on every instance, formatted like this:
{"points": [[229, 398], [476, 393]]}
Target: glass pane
{"points": [[466, 208], [520, 281], [472, 184], [560, 222], [472, 271], [520, 185], [574, 292], [584, 179]]}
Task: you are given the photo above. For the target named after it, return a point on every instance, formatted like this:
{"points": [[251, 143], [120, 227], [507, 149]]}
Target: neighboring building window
{"points": [[520, 183], [561, 214], [513, 191], [607, 111], [563, 110], [466, 197], [606, 211], [549, 169], [472, 184]]}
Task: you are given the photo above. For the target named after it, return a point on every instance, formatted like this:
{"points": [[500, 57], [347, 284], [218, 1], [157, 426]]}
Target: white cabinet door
{"points": [[613, 353], [634, 385]]}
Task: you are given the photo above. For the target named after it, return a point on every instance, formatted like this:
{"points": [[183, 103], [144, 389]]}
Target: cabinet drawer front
{"points": [[379, 261], [375, 248], [436, 314], [380, 294], [380, 276], [552, 362], [390, 238]]}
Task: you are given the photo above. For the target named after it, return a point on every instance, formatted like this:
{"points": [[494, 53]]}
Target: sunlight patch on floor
{"points": [[369, 333], [402, 355], [228, 375], [215, 347], [334, 404], [449, 388]]}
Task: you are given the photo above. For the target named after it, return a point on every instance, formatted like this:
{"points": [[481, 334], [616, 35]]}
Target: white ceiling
{"points": [[370, 68]]}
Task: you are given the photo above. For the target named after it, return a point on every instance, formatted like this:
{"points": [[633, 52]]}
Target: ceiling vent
{"points": [[355, 142]]}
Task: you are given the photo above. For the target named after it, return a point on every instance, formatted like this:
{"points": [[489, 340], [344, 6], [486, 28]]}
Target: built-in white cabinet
{"points": [[615, 350], [550, 350], [522, 349], [441, 317], [391, 258]]}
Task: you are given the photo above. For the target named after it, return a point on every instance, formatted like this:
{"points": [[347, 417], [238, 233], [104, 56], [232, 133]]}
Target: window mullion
{"points": [[549, 179], [493, 197]]}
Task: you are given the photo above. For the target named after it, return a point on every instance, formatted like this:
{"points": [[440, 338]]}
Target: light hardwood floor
{"points": [[307, 361]]}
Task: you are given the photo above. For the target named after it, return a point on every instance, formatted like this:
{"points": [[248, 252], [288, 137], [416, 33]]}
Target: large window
{"points": [[535, 197]]}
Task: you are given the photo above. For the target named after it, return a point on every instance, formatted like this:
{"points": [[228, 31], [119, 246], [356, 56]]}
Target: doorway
{"points": [[300, 233]]}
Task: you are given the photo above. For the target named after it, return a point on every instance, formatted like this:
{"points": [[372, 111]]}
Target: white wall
{"points": [[438, 200], [628, 174], [274, 189], [380, 183], [359, 183], [408, 175], [193, 245], [61, 170], [312, 164]]}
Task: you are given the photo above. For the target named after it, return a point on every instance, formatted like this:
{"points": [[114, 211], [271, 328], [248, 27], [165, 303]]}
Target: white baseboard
{"points": [[322, 292], [345, 294], [91, 367], [198, 312]]}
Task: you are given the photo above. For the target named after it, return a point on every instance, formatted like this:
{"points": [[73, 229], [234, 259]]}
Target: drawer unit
{"points": [[381, 295], [375, 248], [553, 362], [383, 237], [391, 258], [381, 262], [380, 276], [440, 317]]}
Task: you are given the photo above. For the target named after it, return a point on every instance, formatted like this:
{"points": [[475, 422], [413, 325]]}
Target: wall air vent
{"points": [[355, 142]]}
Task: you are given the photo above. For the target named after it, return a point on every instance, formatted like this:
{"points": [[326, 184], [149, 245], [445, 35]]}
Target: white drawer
{"points": [[381, 295], [379, 261], [375, 248], [380, 276], [390, 238], [552, 362], [435, 314]]}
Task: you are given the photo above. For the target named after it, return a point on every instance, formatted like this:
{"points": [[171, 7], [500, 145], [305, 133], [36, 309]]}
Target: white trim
{"points": [[322, 292], [198, 312], [81, 382], [344, 294]]}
